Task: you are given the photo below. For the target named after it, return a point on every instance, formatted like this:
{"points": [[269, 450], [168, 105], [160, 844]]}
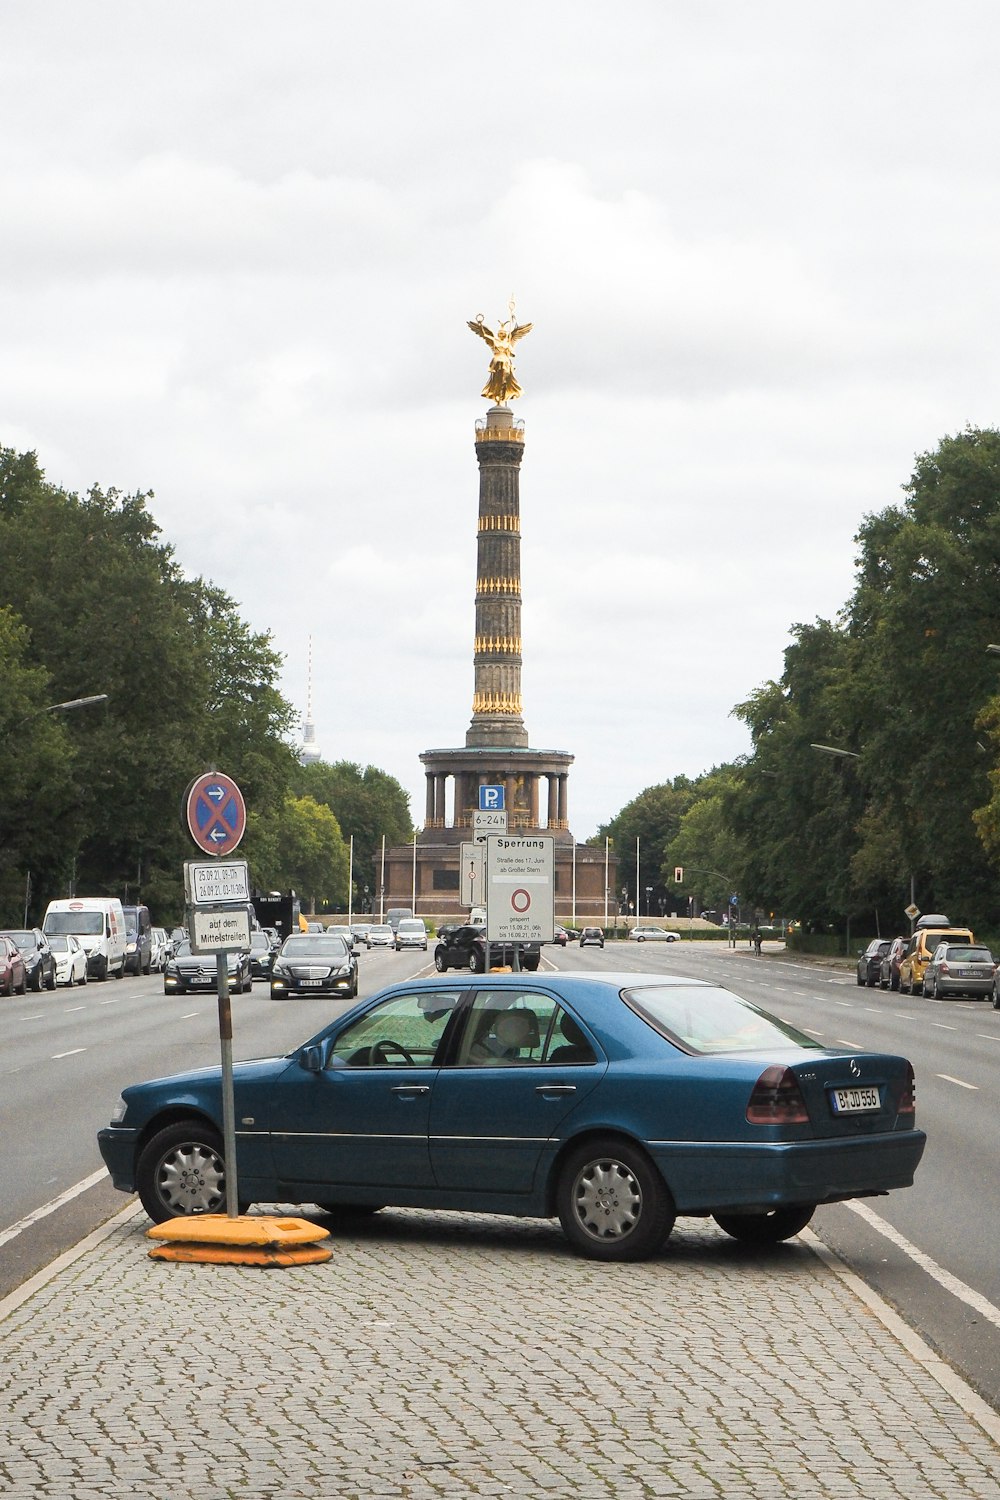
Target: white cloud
{"points": [[757, 244]]}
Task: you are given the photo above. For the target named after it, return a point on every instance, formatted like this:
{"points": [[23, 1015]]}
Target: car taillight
{"points": [[943, 968], [908, 1096], [777, 1099]]}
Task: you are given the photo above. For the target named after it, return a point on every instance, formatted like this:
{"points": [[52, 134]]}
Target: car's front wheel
{"points": [[612, 1203], [181, 1171], [768, 1228], [440, 962], [476, 961]]}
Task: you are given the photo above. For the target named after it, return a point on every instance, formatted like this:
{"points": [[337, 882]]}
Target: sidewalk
{"points": [[462, 1355]]}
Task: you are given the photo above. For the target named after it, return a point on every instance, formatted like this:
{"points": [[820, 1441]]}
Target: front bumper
{"points": [[117, 1145]]}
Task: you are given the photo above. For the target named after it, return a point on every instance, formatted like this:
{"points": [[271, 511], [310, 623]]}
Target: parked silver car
{"points": [[960, 969]]}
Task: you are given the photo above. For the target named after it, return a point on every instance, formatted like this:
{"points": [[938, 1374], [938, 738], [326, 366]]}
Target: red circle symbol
{"points": [[520, 900], [216, 813]]}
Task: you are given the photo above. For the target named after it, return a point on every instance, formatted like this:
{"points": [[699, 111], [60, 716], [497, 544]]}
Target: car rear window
{"points": [[958, 954], [703, 1019]]}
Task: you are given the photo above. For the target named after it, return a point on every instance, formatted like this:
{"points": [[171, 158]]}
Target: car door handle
{"points": [[410, 1088], [556, 1088]]}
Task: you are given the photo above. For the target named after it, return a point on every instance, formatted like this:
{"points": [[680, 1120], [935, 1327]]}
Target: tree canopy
{"points": [[92, 601]]}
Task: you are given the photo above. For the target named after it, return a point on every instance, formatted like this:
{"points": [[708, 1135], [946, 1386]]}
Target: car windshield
{"points": [[258, 941], [326, 947], [700, 1018], [89, 923]]}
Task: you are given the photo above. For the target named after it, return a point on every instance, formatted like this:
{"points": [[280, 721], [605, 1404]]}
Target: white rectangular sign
{"points": [[214, 880], [485, 823], [219, 931], [520, 889], [473, 889]]}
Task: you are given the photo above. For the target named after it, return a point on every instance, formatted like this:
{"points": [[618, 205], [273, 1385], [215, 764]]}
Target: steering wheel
{"points": [[387, 1045]]}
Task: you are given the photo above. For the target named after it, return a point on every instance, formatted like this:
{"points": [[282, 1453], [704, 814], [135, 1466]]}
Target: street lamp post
{"points": [[64, 708]]}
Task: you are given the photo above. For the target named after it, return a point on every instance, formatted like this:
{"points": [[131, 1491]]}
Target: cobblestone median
{"points": [[459, 1355]]}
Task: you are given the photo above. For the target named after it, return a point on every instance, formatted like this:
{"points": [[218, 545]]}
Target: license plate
{"points": [[309, 983], [855, 1101]]}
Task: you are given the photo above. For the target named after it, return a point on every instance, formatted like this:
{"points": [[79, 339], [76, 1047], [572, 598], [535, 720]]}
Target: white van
{"points": [[99, 923]]}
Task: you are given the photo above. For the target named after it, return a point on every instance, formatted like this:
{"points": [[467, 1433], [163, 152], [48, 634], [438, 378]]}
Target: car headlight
{"points": [[118, 1113]]}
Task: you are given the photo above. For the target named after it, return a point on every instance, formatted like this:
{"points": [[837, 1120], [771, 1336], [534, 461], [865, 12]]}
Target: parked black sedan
{"points": [[39, 960], [870, 961], [200, 971], [465, 948]]}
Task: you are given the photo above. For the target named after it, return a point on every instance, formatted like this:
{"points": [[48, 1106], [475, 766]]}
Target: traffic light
{"points": [[678, 874]]}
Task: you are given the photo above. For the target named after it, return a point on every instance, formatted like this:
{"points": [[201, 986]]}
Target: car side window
{"points": [[567, 1046], [405, 1031], [505, 1028]]}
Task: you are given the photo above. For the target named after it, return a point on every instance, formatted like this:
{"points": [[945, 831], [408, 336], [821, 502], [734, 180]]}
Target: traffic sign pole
{"points": [[216, 818], [228, 1093]]}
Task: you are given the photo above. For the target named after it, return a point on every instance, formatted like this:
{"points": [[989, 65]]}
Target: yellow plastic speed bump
{"points": [[242, 1255], [245, 1229]]}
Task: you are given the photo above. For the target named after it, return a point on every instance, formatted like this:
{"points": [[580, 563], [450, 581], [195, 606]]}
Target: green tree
{"points": [[304, 852], [924, 608], [706, 843], [368, 804], [107, 609], [653, 818]]}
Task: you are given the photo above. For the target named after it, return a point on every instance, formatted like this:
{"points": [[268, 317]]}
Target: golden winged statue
{"points": [[501, 386]]}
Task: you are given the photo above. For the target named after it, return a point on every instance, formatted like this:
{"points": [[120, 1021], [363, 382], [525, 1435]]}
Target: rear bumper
{"points": [[712, 1176]]}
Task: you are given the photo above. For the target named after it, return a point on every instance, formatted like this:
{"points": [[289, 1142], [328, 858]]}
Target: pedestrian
{"points": [[756, 941]]}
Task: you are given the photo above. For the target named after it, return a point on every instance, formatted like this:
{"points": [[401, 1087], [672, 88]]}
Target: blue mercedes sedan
{"points": [[614, 1102]]}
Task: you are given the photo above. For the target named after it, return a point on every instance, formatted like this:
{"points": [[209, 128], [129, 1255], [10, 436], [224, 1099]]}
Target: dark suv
{"points": [[465, 948]]}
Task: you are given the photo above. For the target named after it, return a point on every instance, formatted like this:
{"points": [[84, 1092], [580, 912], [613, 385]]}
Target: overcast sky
{"points": [[758, 244]]}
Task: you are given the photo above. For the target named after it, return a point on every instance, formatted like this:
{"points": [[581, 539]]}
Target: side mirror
{"points": [[311, 1058]]}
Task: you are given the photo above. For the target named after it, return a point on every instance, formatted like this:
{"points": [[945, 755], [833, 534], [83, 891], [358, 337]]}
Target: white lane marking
{"points": [[39, 1017], [116, 1001], [188, 1014], [841, 1042], [946, 1377], [872, 1010], [812, 1031], [988, 1036], [903, 1015], [948, 1079], [51, 1206], [952, 1284], [844, 1004], [71, 1053], [69, 1009], [942, 1027]]}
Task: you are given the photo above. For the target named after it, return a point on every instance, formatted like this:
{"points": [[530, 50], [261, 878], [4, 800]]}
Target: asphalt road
{"points": [[930, 1250]]}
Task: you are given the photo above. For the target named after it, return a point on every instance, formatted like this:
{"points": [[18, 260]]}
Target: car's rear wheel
{"points": [[476, 961], [440, 963], [860, 981], [767, 1228], [612, 1203], [181, 1171]]}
